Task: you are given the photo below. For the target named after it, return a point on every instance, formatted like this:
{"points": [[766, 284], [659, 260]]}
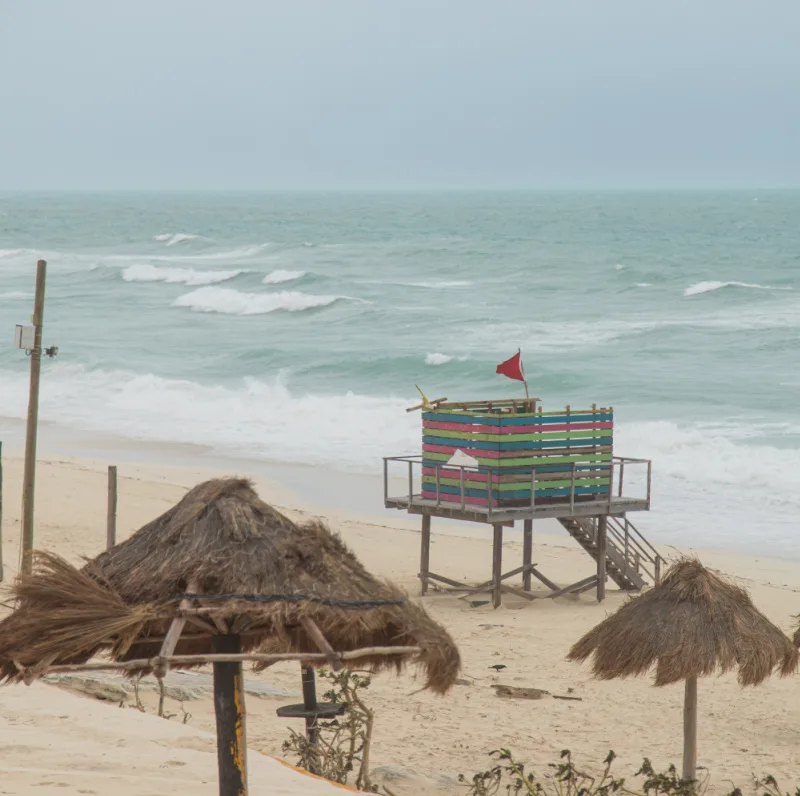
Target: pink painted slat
{"points": [[468, 500], [468, 429], [468, 476], [450, 449]]}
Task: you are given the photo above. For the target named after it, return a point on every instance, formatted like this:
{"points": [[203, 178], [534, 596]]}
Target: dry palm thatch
{"points": [[259, 572], [692, 624]]}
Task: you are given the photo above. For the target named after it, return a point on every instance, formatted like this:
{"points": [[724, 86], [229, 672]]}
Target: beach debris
{"points": [[692, 624], [464, 681], [462, 459], [570, 698], [426, 404], [490, 625], [478, 603], [516, 692]]}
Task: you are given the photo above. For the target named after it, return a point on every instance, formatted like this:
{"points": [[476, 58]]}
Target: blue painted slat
{"points": [[554, 468], [429, 490]]}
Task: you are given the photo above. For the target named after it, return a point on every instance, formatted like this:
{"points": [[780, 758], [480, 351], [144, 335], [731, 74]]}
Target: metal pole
{"points": [[463, 492], [601, 557], [230, 714], [310, 704], [527, 553], [410, 482], [438, 485], [385, 479], [29, 474], [425, 552], [572, 490], [111, 514]]}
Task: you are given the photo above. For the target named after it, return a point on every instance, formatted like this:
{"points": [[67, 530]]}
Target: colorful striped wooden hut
{"points": [[522, 454]]}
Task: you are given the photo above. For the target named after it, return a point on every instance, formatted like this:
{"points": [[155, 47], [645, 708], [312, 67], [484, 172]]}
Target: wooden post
{"points": [[425, 552], [497, 566], [690, 729], [602, 522], [111, 516], [527, 552], [29, 473], [230, 713]]}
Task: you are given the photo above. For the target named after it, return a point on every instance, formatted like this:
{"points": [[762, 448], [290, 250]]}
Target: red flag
{"points": [[512, 367]]}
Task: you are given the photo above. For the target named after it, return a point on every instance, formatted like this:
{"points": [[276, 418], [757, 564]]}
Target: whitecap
{"points": [[280, 275], [177, 276], [712, 285], [232, 302], [172, 239]]}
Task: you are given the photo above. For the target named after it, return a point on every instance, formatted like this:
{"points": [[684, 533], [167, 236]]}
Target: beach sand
{"points": [[421, 741]]}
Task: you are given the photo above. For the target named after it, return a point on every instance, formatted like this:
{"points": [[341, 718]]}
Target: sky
{"points": [[411, 94]]}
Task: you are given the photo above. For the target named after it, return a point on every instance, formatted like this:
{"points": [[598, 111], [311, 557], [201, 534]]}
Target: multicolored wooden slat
{"points": [[567, 450]]}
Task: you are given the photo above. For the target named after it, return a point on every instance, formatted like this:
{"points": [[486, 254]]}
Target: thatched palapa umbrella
{"points": [[691, 625], [219, 577]]}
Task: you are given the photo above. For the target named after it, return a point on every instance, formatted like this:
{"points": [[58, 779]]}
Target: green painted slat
{"points": [[516, 486], [465, 435]]}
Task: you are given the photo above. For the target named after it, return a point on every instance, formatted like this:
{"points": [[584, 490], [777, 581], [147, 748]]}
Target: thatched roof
{"points": [[225, 540], [693, 623]]}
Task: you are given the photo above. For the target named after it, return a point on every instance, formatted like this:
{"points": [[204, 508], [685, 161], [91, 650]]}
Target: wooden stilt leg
{"points": [[425, 552], [230, 712], [497, 566], [527, 552], [601, 558]]}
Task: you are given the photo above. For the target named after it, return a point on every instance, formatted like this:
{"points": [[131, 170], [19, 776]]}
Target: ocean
{"points": [[292, 327]]}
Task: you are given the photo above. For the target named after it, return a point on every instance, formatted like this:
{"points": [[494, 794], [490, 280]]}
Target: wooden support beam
{"points": [[173, 634], [544, 579], [1, 512], [690, 729], [527, 552], [229, 709], [519, 592], [454, 583], [317, 636], [497, 566], [602, 524], [425, 552], [578, 587]]}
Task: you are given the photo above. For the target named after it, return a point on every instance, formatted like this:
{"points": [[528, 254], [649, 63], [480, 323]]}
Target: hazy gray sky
{"points": [[398, 93]]}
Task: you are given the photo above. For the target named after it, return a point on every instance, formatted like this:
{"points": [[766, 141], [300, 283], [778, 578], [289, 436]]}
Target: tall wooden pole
{"points": [[29, 474], [1, 512], [111, 514], [690, 729], [230, 713]]}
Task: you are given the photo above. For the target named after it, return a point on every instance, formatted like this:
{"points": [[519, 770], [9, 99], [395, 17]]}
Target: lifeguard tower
{"points": [[499, 462]]}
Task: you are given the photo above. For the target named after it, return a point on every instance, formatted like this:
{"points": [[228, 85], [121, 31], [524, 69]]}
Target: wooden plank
{"points": [[544, 579], [532, 457], [519, 484], [503, 431], [512, 476], [586, 439], [454, 583], [518, 419], [519, 592]]}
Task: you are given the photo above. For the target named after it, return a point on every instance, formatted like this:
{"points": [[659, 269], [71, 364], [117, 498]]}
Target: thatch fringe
{"points": [[693, 624], [224, 540]]}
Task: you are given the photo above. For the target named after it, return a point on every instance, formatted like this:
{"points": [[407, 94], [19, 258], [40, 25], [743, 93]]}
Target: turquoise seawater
{"points": [[293, 327]]}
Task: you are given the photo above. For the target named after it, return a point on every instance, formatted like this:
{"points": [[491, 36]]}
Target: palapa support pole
{"points": [[497, 566], [690, 729], [425, 553], [29, 473], [309, 681], [111, 514], [602, 525], [230, 712], [527, 553]]}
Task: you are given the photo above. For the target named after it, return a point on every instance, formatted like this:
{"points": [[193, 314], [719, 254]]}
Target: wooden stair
{"points": [[629, 556]]}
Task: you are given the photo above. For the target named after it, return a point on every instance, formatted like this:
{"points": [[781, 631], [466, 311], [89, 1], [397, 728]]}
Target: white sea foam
{"points": [[16, 294], [177, 276], [171, 239], [280, 275], [441, 359], [251, 418], [233, 302], [643, 284], [712, 285]]}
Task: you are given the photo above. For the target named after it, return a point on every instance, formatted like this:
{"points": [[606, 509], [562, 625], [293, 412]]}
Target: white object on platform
{"points": [[461, 459]]}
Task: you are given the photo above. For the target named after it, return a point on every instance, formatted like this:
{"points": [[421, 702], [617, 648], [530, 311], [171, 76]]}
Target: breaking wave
{"points": [[177, 276], [711, 286], [233, 302]]}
